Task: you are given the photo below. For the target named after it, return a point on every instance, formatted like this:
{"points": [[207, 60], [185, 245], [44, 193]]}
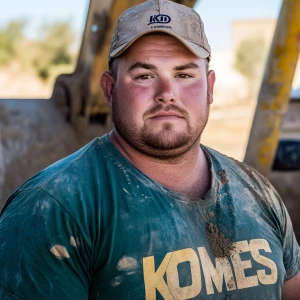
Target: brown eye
{"points": [[183, 76], [144, 77]]}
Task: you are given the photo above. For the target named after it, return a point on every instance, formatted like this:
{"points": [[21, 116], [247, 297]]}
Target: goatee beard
{"points": [[165, 144]]}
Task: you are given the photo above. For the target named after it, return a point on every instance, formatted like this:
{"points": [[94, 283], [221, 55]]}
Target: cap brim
{"points": [[194, 48]]}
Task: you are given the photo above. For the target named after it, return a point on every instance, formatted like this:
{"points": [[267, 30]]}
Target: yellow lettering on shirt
{"points": [[187, 292], [261, 244], [154, 280], [240, 265], [166, 278], [216, 274]]}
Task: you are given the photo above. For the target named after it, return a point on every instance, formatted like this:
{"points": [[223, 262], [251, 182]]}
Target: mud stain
{"points": [[223, 176], [210, 214], [252, 173], [258, 184], [231, 284], [220, 246]]}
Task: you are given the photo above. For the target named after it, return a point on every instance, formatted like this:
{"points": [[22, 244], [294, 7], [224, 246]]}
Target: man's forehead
{"points": [[178, 67]]}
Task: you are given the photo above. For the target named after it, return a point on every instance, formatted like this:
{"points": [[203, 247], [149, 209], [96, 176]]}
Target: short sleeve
{"points": [[43, 254]]}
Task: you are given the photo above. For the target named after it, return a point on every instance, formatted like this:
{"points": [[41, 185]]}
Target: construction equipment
{"points": [[35, 133], [276, 124]]}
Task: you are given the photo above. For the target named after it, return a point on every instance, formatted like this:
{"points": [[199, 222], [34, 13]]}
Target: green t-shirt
{"points": [[93, 226]]}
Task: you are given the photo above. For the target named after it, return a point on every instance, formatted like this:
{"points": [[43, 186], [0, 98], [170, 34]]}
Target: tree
{"points": [[54, 48], [10, 38], [249, 58], [46, 54]]}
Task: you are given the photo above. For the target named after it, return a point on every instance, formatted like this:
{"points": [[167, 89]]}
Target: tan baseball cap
{"points": [[166, 16]]}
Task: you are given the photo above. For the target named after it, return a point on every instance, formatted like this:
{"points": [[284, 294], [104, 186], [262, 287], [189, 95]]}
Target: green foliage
{"points": [[6, 49], [249, 59], [49, 51], [10, 39], [53, 48], [15, 30]]}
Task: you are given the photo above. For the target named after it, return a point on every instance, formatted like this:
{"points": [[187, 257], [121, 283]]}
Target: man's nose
{"points": [[166, 91]]}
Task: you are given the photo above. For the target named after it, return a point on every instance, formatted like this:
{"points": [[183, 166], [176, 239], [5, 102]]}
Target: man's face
{"points": [[161, 97]]}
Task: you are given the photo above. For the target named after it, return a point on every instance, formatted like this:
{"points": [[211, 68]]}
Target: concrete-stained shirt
{"points": [[92, 226]]}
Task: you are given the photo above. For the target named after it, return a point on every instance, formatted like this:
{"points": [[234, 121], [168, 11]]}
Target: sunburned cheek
{"points": [[195, 91], [138, 93]]}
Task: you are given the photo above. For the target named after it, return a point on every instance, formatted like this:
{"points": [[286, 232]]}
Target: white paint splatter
{"points": [[127, 263], [45, 205], [60, 251], [129, 227], [74, 242], [126, 191], [117, 281], [131, 273]]}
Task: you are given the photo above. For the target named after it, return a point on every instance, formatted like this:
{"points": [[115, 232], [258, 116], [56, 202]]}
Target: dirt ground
{"points": [[16, 83], [228, 129]]}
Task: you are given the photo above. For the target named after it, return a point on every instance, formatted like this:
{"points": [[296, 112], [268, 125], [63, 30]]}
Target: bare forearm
{"points": [[291, 289]]}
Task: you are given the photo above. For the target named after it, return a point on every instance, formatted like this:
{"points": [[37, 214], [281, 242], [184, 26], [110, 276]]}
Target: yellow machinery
{"points": [[276, 117], [35, 133]]}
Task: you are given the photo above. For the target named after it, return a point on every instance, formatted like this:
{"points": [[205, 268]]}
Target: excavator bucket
{"points": [[35, 133]]}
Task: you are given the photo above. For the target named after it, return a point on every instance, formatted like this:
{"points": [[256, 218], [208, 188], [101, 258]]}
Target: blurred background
{"points": [[53, 52], [39, 41]]}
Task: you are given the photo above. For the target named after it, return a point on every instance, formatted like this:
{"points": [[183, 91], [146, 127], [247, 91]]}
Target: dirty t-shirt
{"points": [[93, 226]]}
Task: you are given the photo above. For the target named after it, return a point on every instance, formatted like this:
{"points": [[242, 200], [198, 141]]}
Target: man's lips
{"points": [[165, 115]]}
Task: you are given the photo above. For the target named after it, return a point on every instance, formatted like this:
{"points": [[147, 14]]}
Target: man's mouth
{"points": [[166, 115]]}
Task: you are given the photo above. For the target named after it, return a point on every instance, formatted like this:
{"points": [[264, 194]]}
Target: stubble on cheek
{"points": [[164, 142]]}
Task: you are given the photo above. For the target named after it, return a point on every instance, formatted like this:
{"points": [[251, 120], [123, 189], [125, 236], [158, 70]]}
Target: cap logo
{"points": [[158, 19]]}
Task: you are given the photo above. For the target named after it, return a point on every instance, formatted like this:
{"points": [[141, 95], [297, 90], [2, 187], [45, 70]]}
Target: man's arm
{"points": [[42, 251], [291, 288]]}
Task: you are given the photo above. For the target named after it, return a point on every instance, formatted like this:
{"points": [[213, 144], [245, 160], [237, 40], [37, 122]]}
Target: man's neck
{"points": [[188, 175]]}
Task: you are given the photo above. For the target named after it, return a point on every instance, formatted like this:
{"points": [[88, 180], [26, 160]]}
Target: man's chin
{"points": [[166, 140]]}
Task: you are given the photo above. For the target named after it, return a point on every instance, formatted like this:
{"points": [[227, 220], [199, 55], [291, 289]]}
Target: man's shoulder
{"points": [[65, 187], [236, 169], [69, 171]]}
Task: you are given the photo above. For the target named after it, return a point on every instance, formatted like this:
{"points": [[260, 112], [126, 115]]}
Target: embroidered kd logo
{"points": [[159, 19]]}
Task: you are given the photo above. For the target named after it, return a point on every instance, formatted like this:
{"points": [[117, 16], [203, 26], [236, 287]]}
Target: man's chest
{"points": [[159, 250]]}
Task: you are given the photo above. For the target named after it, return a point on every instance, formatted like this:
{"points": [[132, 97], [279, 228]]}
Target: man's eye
{"points": [[144, 77], [183, 76]]}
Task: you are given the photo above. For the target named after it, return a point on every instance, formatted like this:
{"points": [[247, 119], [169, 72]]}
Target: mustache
{"points": [[160, 107]]}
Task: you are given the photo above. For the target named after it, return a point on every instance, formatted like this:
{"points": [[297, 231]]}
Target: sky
{"points": [[216, 14]]}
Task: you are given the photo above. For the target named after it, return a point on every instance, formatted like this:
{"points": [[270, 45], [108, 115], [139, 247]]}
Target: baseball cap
{"points": [[166, 16]]}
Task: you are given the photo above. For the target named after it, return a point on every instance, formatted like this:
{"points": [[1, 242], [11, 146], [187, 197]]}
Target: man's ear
{"points": [[107, 84], [211, 78]]}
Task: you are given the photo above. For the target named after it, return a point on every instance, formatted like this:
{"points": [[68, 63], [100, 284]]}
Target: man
{"points": [[145, 212]]}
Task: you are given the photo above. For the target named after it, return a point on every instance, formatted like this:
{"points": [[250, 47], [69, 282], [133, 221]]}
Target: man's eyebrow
{"points": [[187, 66], [140, 65]]}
